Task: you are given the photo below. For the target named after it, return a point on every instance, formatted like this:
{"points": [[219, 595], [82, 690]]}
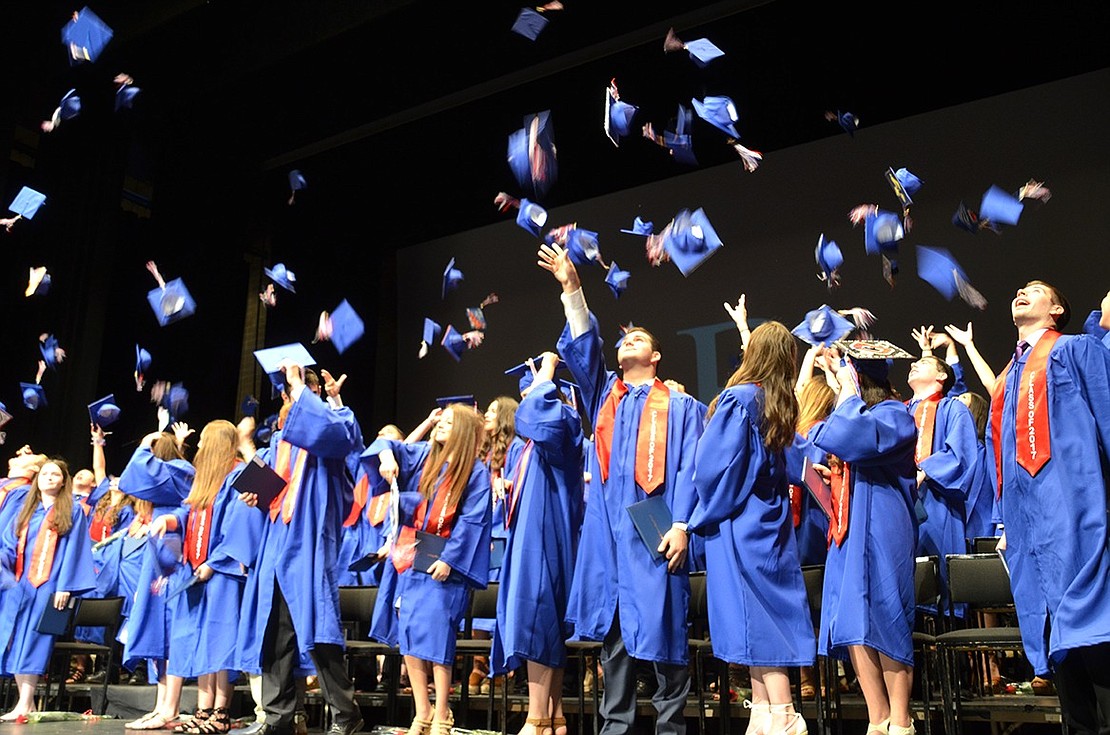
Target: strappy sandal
{"points": [[157, 722], [443, 727], [420, 727], [218, 722], [539, 724], [188, 724], [556, 723], [133, 725]]}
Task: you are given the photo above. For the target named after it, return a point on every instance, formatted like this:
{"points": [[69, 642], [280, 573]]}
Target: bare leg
{"points": [[539, 697], [206, 691], [172, 702], [898, 678], [775, 685], [557, 716], [25, 684], [418, 677], [759, 722], [442, 676], [224, 689], [869, 671]]}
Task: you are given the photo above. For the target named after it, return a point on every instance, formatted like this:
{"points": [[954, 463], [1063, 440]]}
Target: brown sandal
{"points": [[189, 723], [218, 722]]}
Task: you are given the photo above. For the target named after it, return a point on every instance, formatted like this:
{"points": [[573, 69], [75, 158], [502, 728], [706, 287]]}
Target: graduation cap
{"points": [[938, 268], [530, 22], [343, 327], [452, 276], [171, 301], [142, 364], [282, 276], [966, 219], [85, 37], [27, 202], [904, 184], [999, 207], [68, 108], [175, 399], [616, 279], [266, 429], [296, 183], [624, 330], [454, 343], [531, 216], [881, 230], [125, 95], [271, 358], [618, 114], [249, 406], [432, 331], [847, 121], [531, 153], [446, 401], [829, 259], [476, 317], [640, 227], [582, 247], [34, 396], [38, 282], [701, 50], [104, 412], [52, 354], [823, 325], [691, 240], [525, 372], [720, 112], [5, 417], [679, 142]]}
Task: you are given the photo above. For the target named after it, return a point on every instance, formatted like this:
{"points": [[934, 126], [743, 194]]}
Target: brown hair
{"points": [[63, 504], [109, 513], [980, 411], [873, 390], [457, 455], [216, 457], [815, 403], [770, 360], [166, 448], [1058, 299], [496, 443], [943, 367], [651, 337]]}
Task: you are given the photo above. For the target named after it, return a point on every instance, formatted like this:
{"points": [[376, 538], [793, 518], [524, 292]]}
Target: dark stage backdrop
{"points": [[769, 222]]}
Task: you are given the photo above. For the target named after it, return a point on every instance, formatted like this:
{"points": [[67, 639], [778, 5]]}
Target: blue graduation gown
{"points": [[613, 569], [23, 650], [301, 557], [498, 528], [813, 531], [164, 483], [1056, 523], [539, 558], [428, 612], [758, 610], [868, 595], [9, 510], [980, 501], [107, 565]]}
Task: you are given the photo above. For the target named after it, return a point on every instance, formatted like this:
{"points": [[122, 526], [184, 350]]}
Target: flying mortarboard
{"points": [[142, 364], [616, 279], [52, 353], [176, 401], [720, 112], [266, 429], [85, 36], [938, 268], [1000, 207], [297, 182], [701, 50], [640, 227], [271, 358], [282, 276], [829, 259], [691, 241], [432, 331], [881, 229], [27, 202], [125, 96], [582, 247], [452, 276], [618, 115], [824, 326], [531, 216], [966, 219], [34, 397], [346, 326], [104, 412], [904, 184], [530, 22], [38, 282], [476, 317], [625, 329], [446, 401], [5, 417], [68, 108], [171, 303], [846, 120], [454, 343]]}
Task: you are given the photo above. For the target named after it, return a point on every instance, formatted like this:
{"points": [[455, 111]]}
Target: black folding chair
{"points": [[824, 667], [926, 584], [483, 604], [356, 612], [104, 613]]}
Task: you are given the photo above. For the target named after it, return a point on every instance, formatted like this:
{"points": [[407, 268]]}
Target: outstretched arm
{"points": [[982, 369], [555, 261]]}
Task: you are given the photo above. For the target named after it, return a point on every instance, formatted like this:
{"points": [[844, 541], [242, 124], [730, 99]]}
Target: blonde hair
{"points": [[216, 457], [457, 455], [815, 403]]}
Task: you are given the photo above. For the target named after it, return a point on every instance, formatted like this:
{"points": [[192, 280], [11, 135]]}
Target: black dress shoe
{"points": [[97, 677], [349, 728]]}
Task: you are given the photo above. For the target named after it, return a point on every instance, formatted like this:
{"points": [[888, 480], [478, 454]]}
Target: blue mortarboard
{"points": [[582, 246], [681, 147], [1000, 207], [125, 96], [938, 268], [692, 239], [823, 325], [571, 391], [142, 360], [271, 358], [446, 401], [432, 331], [85, 36], [297, 181], [282, 276], [70, 106], [249, 406], [616, 279], [5, 417], [266, 429], [454, 343], [640, 227], [966, 219], [618, 116], [720, 112], [27, 202], [829, 259], [104, 411], [881, 229], [702, 50], [529, 23], [452, 276], [172, 303], [34, 396], [904, 184], [38, 282], [517, 157], [531, 216], [531, 153], [848, 122], [1092, 327], [52, 353], [176, 400], [167, 552], [347, 326], [625, 329], [524, 372]]}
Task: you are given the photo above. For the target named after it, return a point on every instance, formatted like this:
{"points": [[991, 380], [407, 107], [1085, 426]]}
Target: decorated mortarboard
{"points": [[297, 182], [104, 412], [282, 276], [454, 343], [34, 397], [966, 219], [640, 227], [999, 207], [52, 353], [85, 36], [691, 241], [476, 314], [701, 50], [432, 331], [530, 22], [171, 301], [829, 259], [938, 268], [27, 202], [720, 112], [618, 114], [904, 184], [823, 326], [616, 279], [142, 364], [38, 282], [872, 356], [452, 277], [446, 401], [271, 359]]}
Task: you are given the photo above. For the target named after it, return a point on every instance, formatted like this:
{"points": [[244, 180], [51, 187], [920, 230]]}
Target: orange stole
{"points": [[925, 418], [514, 484], [287, 498], [651, 440], [42, 558], [841, 484]]}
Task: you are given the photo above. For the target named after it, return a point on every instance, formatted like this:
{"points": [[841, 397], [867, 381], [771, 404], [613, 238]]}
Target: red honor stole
{"points": [[287, 498], [925, 417], [42, 558], [841, 484], [513, 491], [377, 509], [651, 442], [1032, 444], [198, 531], [361, 493], [444, 516], [797, 490]]}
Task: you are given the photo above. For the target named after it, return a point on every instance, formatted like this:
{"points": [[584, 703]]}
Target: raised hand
{"points": [[962, 336], [555, 261]]}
